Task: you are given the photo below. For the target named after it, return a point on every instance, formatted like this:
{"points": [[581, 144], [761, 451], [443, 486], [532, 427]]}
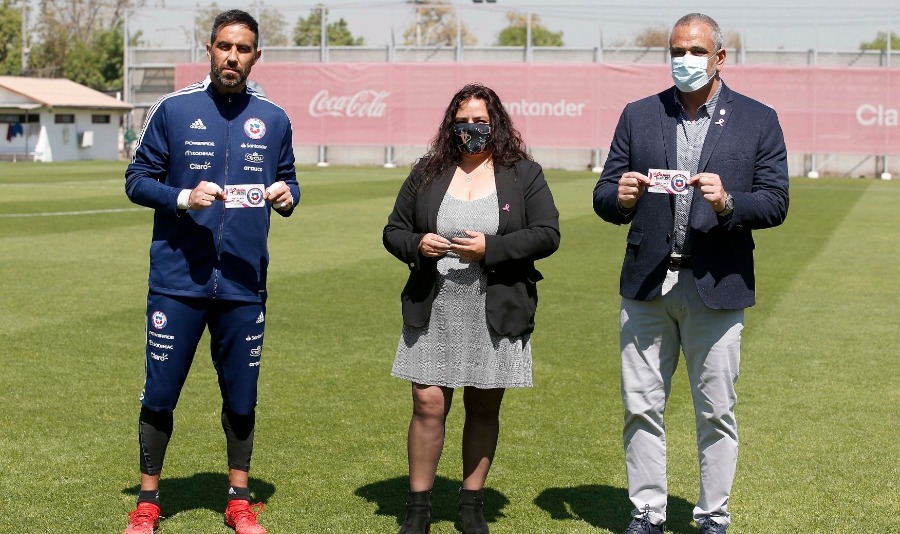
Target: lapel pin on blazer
{"points": [[506, 207], [721, 121]]}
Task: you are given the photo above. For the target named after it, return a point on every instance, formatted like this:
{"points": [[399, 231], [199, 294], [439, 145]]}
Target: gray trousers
{"points": [[651, 336]]}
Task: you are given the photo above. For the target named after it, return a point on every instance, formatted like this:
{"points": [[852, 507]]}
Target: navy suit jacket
{"points": [[745, 147], [528, 230]]}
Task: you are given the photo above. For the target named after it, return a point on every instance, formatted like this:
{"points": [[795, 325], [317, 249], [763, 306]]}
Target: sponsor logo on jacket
{"points": [[255, 128], [159, 320]]}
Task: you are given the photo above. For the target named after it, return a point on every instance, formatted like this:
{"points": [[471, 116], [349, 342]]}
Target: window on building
{"points": [[64, 118], [100, 119], [12, 118]]}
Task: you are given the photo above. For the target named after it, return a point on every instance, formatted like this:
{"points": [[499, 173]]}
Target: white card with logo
{"points": [[245, 196], [668, 182]]}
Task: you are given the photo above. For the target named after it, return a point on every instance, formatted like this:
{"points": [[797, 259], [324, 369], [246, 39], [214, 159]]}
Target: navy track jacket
{"points": [[197, 134]]}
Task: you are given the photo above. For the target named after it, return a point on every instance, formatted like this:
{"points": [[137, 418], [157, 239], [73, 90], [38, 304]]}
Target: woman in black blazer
{"points": [[469, 222]]}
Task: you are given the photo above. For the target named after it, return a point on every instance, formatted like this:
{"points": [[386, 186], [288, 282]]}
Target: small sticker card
{"points": [[668, 182], [245, 196]]}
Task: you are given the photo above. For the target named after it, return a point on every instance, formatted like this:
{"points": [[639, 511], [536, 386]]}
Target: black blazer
{"points": [[528, 231], [745, 147]]}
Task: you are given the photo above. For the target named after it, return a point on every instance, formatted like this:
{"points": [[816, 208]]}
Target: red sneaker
{"points": [[241, 516], [144, 519]]}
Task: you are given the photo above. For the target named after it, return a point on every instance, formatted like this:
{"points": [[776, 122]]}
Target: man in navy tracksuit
{"points": [[213, 160]]}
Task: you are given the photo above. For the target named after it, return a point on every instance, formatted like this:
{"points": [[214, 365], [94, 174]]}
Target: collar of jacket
{"points": [[225, 97], [669, 117]]}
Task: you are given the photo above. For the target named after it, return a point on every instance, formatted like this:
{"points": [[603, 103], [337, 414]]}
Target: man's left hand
{"points": [[279, 195], [710, 186]]}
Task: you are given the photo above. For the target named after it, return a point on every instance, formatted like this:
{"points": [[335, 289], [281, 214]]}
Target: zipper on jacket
{"points": [[227, 146]]}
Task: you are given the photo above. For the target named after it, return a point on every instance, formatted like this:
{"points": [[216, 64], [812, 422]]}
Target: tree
{"points": [[203, 21], [81, 40], [652, 37], [308, 31], [733, 40], [880, 42], [436, 25], [272, 26], [98, 64], [516, 32], [10, 38]]}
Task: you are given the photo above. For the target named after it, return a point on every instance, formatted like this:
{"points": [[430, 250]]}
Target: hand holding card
{"points": [[671, 182]]}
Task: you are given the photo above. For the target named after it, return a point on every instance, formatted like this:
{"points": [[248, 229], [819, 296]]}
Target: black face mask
{"points": [[472, 137]]}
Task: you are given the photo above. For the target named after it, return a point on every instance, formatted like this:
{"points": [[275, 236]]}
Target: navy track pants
{"points": [[174, 328]]}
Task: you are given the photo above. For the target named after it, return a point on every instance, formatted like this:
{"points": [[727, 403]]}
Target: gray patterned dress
{"points": [[457, 348]]}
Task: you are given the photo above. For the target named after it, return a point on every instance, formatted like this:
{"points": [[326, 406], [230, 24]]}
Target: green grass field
{"points": [[818, 394]]}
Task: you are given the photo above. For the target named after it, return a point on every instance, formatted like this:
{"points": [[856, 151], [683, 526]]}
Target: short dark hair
{"points": [[506, 144], [235, 16], [700, 18]]}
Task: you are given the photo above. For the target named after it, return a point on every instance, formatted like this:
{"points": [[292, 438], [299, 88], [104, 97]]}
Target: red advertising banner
{"points": [[851, 110]]}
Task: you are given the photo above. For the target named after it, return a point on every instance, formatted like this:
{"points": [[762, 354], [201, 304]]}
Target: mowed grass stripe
{"points": [[823, 374]]}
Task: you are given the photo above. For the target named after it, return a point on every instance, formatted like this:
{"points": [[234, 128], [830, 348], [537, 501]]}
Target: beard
{"points": [[229, 78]]}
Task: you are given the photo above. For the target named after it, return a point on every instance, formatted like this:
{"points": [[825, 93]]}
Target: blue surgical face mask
{"points": [[689, 72], [472, 137]]}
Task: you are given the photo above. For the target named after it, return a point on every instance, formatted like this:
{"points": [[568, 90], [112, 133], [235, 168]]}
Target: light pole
{"points": [[418, 20], [24, 37], [323, 34]]}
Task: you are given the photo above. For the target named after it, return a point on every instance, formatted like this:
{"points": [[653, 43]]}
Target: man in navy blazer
{"points": [[688, 269]]}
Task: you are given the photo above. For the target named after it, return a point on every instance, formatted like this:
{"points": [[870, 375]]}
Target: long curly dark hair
{"points": [[506, 145]]}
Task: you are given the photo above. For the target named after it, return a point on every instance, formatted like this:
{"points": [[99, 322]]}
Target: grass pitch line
{"points": [[59, 213]]}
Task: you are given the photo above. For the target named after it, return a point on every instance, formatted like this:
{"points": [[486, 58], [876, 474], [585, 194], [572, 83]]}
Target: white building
{"points": [[53, 119]]}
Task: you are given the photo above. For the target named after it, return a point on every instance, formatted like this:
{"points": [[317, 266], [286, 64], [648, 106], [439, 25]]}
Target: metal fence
{"points": [[599, 34]]}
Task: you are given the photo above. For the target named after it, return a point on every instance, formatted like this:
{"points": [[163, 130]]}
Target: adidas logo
{"points": [[261, 318], [198, 125]]}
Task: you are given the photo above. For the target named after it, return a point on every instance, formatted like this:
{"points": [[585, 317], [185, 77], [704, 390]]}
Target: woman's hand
{"points": [[433, 246], [469, 248]]}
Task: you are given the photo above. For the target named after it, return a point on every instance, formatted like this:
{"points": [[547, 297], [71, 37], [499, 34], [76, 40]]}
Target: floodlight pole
{"points": [[890, 38], [24, 39], [125, 62], [599, 55], [323, 57], [885, 172], [323, 39], [743, 48], [459, 43], [258, 6], [528, 43], [195, 40]]}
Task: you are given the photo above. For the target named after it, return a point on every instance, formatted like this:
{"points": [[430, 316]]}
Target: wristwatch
{"points": [[729, 206]]}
